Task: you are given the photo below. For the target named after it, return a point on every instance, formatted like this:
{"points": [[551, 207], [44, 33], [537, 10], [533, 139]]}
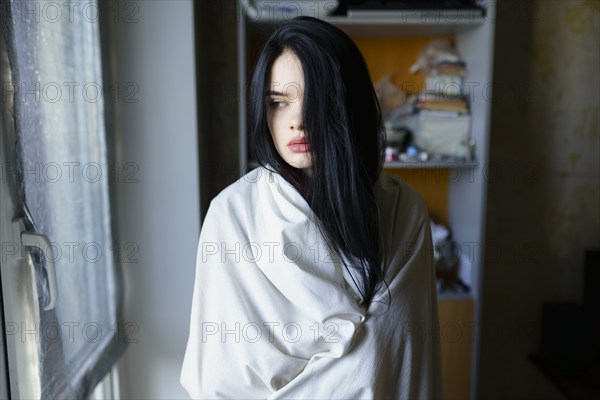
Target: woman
{"points": [[314, 274]]}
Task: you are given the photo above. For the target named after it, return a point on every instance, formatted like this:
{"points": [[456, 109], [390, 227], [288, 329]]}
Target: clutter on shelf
{"points": [[452, 267], [435, 123], [284, 10]]}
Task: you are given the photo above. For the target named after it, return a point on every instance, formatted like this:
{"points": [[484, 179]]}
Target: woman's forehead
{"points": [[286, 75]]}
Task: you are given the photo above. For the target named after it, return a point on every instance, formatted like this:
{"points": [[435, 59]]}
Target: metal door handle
{"points": [[32, 239]]}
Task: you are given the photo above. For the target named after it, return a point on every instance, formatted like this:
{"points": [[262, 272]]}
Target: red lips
{"points": [[299, 145]]}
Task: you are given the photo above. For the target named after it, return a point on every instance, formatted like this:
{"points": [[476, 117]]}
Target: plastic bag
{"points": [[438, 51]]}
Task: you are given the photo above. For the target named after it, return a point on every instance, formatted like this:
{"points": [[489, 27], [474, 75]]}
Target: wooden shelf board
{"points": [[431, 164]]}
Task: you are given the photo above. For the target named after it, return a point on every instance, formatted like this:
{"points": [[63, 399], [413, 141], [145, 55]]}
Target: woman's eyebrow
{"points": [[273, 93]]}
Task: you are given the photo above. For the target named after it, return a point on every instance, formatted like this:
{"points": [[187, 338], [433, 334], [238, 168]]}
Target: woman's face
{"points": [[284, 116]]}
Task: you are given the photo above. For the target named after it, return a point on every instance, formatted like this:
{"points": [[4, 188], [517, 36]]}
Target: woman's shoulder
{"points": [[392, 189], [403, 213], [242, 193]]}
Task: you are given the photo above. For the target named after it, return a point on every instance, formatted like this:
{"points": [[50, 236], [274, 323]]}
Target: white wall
{"points": [[152, 45]]}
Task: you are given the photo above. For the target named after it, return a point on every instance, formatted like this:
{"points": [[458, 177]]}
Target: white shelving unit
{"points": [[467, 181]]}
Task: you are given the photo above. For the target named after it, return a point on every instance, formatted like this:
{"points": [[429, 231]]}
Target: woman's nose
{"points": [[296, 121], [295, 126]]}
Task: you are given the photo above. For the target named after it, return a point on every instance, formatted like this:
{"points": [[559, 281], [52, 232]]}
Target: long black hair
{"points": [[342, 121]]}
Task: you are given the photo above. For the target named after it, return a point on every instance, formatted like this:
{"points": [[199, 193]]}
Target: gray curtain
{"points": [[63, 177]]}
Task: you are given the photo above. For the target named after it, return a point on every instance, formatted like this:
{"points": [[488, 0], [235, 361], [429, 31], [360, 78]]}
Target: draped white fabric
{"points": [[275, 315]]}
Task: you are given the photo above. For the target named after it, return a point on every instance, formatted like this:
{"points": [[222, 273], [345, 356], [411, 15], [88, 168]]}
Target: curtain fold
{"points": [[63, 183]]}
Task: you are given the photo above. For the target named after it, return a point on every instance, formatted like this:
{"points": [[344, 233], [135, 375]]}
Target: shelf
{"points": [[431, 164], [408, 23], [450, 296], [391, 23]]}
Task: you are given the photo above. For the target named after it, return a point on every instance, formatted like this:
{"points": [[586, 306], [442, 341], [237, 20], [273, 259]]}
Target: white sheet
{"points": [[273, 315]]}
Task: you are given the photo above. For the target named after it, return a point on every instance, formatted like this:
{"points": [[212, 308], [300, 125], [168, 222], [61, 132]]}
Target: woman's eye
{"points": [[276, 103]]}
